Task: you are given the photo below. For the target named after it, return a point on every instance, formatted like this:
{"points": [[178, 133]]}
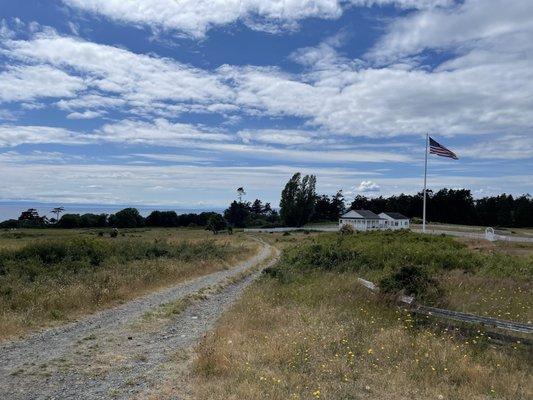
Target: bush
{"points": [[59, 258], [346, 230], [413, 280], [216, 223], [69, 221], [127, 218]]}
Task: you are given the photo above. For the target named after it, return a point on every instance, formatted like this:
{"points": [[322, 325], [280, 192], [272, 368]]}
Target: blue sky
{"points": [[179, 102]]}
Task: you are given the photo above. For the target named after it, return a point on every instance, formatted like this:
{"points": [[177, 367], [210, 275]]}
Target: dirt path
{"points": [[121, 353]]}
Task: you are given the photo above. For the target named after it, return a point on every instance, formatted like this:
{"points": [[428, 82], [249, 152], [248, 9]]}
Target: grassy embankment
{"points": [[49, 277], [311, 331]]}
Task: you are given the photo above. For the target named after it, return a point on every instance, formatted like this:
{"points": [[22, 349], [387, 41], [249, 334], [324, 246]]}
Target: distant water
{"points": [[13, 209]]}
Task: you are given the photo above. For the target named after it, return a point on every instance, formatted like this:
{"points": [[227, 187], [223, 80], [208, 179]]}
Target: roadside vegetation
{"points": [[308, 330], [49, 279], [491, 283]]}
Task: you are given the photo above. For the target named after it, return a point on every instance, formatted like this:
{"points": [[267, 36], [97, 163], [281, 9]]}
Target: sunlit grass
{"points": [[323, 336], [53, 280]]}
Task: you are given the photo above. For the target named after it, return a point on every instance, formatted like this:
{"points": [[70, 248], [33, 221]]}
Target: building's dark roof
{"points": [[396, 215], [366, 214]]}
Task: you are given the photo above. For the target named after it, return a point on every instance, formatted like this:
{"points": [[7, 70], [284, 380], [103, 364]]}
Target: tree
{"points": [[240, 193], [69, 221], [57, 211], [237, 213], [257, 207], [322, 208], [9, 224], [216, 223], [31, 219], [126, 218], [337, 206], [163, 219], [89, 220], [298, 200]]}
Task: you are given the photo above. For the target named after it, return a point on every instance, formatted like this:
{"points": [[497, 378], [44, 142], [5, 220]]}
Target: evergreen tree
{"points": [[298, 200]]}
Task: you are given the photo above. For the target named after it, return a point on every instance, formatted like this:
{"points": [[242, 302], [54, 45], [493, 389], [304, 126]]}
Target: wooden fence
{"points": [[456, 315]]}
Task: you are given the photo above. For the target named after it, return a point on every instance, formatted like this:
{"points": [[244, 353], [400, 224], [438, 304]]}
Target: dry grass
{"points": [[502, 297], [51, 299], [511, 248], [323, 336]]}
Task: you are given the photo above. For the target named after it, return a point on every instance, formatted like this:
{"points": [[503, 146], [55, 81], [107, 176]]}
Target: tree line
{"points": [[299, 205], [456, 207], [126, 218]]}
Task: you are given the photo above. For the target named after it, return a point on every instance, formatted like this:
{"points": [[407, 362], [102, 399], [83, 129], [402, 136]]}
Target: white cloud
{"points": [[112, 183], [13, 135], [390, 101], [160, 133], [280, 136], [36, 157], [139, 80], [368, 186], [507, 147], [28, 82], [85, 115], [195, 17], [484, 90], [471, 21]]}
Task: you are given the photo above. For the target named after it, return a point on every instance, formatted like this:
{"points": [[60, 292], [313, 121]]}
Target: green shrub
{"points": [[389, 251], [56, 258], [413, 280]]}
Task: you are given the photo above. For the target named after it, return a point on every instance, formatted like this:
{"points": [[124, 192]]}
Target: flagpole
{"points": [[425, 180]]}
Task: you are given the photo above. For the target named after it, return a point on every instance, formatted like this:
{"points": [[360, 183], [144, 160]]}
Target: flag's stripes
{"points": [[440, 150]]}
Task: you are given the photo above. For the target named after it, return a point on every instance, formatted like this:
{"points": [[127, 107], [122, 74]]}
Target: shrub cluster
{"points": [[389, 251], [59, 257], [413, 280]]}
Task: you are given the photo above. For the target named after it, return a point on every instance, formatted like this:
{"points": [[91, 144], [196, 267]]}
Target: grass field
{"points": [[308, 330], [51, 276]]}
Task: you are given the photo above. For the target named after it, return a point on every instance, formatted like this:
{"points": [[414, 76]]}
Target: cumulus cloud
{"points": [[368, 186], [196, 17], [484, 89]]}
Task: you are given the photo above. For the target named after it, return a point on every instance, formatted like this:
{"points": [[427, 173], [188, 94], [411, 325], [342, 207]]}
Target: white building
{"points": [[394, 221], [361, 220]]}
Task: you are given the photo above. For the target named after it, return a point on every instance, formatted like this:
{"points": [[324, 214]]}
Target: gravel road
{"points": [[116, 353]]}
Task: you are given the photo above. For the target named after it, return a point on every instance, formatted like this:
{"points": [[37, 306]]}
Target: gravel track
{"points": [[109, 354]]}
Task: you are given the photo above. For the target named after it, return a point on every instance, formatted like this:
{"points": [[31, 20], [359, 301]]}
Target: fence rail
{"points": [[456, 315]]}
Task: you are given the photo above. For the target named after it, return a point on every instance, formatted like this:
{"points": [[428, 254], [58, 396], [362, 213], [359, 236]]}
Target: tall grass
{"points": [[55, 280], [80, 254], [491, 283], [322, 336]]}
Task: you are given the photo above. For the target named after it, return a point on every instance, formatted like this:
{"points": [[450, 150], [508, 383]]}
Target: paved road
{"points": [[117, 353]]}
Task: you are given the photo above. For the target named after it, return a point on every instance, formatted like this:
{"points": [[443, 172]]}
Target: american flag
{"points": [[440, 150]]}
